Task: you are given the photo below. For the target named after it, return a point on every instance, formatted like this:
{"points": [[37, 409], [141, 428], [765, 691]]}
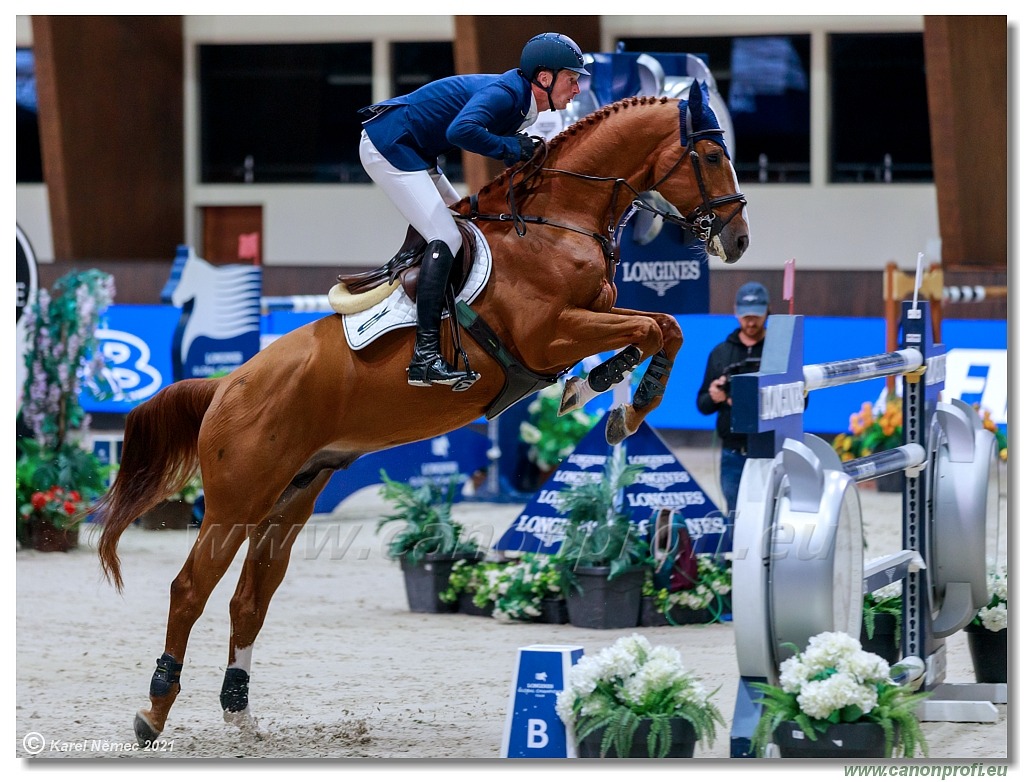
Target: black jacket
{"points": [[727, 358]]}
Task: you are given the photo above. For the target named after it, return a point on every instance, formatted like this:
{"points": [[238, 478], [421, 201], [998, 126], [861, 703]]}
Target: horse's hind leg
{"points": [[211, 555], [264, 568]]}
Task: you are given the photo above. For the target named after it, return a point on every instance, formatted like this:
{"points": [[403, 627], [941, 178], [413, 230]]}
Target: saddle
{"points": [[404, 266]]}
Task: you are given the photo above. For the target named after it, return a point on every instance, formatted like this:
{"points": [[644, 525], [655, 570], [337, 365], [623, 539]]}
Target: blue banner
{"points": [[666, 274], [136, 340], [460, 455]]}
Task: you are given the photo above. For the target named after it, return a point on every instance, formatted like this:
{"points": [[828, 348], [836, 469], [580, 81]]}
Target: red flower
{"points": [[70, 508], [75, 496], [38, 500]]}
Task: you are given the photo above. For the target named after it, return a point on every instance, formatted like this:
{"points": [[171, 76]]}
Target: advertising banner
{"points": [[664, 484]]}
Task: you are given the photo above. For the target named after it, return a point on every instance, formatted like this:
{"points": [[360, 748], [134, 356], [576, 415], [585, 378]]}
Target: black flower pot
{"points": [[467, 606], [554, 611], [843, 740], [596, 602], [650, 616], [683, 742], [883, 642], [425, 581], [988, 653]]}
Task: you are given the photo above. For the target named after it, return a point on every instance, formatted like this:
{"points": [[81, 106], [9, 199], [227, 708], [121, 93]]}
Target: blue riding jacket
{"points": [[480, 113]]}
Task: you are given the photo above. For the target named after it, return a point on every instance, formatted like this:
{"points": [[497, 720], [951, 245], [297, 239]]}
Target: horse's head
{"points": [[705, 192]]}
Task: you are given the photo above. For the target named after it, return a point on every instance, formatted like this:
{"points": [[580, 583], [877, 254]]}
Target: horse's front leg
{"points": [[624, 420], [580, 333]]}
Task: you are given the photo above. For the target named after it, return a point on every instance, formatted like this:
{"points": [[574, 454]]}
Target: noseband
{"points": [[701, 220]]}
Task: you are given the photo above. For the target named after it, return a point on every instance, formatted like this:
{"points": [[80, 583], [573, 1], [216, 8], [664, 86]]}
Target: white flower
{"points": [[993, 619]]}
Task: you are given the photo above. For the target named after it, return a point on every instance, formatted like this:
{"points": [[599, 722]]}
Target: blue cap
{"points": [[751, 299]]}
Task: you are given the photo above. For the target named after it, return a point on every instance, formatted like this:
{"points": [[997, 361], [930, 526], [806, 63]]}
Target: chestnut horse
{"points": [[268, 436]]}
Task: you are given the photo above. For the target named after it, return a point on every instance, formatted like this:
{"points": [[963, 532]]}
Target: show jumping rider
{"points": [[482, 113]]}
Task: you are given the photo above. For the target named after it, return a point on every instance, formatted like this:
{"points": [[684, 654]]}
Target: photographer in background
{"points": [[738, 354]]}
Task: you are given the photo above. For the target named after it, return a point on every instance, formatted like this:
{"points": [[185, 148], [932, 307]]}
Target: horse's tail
{"points": [[160, 455]]}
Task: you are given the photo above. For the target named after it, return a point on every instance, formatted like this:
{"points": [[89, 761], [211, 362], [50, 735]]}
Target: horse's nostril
{"points": [[742, 242]]}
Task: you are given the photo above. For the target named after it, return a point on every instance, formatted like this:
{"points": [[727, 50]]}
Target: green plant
{"points": [[833, 681], [993, 615], [426, 512], [598, 533], [887, 600], [514, 589], [551, 436], [470, 577], [57, 478], [190, 491], [714, 582], [630, 681]]}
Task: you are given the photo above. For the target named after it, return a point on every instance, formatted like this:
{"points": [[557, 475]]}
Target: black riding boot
{"points": [[428, 366]]}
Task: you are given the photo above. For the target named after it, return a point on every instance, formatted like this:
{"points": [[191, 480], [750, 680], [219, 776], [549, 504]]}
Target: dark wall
{"points": [[111, 122], [965, 57]]}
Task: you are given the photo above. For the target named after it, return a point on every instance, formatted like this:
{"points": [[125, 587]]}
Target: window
{"points": [[283, 112], [879, 109], [288, 112], [416, 63], [29, 152], [767, 87]]}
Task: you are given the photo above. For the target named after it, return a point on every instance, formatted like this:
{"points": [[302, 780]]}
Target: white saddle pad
{"points": [[399, 311]]}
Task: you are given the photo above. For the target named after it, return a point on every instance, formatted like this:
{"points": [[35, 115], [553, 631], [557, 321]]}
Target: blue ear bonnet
{"points": [[697, 116]]}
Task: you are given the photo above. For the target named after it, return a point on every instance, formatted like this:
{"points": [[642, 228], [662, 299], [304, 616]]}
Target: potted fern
{"points": [[635, 700], [603, 556], [429, 542]]}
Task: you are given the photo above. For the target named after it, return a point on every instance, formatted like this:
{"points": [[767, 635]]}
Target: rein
{"points": [[701, 220]]}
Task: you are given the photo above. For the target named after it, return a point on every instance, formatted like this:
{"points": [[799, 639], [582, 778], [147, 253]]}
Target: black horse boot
{"points": [[428, 366]]}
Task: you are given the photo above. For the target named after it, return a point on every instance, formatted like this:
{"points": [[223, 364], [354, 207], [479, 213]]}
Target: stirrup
{"points": [[433, 371]]}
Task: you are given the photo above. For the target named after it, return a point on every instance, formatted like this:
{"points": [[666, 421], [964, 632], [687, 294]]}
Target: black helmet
{"points": [[551, 51]]}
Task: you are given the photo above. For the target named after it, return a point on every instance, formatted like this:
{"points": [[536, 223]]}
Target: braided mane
{"points": [[581, 127]]}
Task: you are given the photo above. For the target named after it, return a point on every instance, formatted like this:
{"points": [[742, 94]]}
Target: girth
{"points": [[520, 382]]}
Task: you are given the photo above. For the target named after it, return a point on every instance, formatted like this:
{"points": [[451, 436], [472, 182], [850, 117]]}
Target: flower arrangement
{"points": [[426, 512], [514, 589], [886, 600], [834, 681], [614, 690], [993, 616], [57, 477], [552, 437], [872, 430], [714, 583]]}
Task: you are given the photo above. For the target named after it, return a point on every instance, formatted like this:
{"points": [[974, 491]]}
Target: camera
{"points": [[744, 367]]}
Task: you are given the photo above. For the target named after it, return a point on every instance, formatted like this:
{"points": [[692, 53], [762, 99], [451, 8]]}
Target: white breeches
{"points": [[423, 197]]}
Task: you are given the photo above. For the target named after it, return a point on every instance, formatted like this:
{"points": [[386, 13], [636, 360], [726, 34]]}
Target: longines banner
{"points": [[664, 484]]}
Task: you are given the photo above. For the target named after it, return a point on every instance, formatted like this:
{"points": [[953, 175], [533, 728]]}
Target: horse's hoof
{"points": [[570, 396], [615, 431], [144, 732], [241, 719]]}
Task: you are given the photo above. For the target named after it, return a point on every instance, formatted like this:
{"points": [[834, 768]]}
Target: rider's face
{"points": [[567, 87]]}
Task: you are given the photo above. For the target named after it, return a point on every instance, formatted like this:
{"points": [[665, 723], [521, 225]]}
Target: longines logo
{"points": [[660, 276]]}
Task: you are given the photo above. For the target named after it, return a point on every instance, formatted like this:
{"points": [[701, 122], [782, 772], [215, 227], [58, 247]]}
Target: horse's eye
{"points": [[713, 158]]}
